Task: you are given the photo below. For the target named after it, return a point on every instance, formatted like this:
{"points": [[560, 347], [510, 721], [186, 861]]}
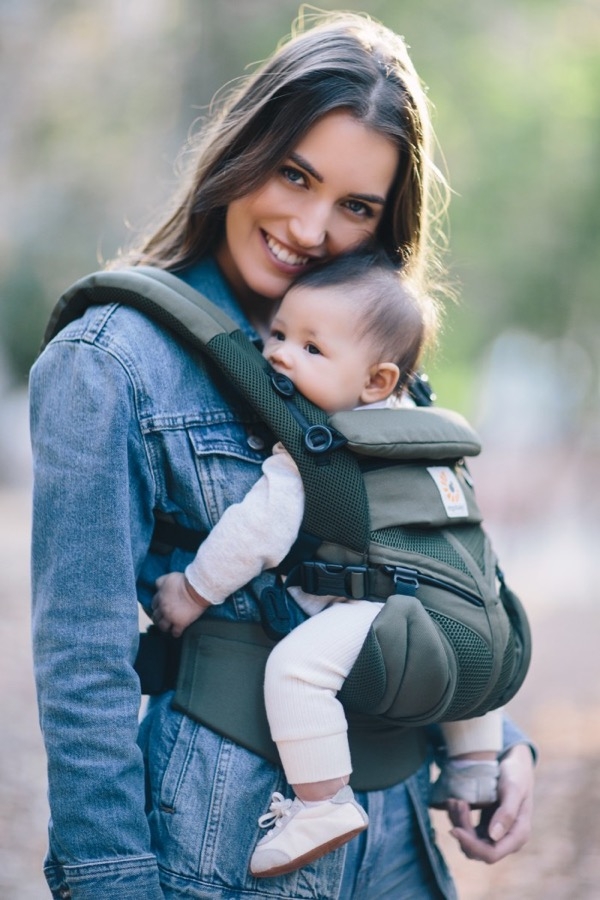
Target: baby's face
{"points": [[313, 340]]}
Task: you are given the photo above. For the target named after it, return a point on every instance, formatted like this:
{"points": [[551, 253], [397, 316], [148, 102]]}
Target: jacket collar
{"points": [[206, 277]]}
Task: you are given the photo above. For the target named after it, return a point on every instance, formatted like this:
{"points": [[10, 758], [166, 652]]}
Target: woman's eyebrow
{"points": [[369, 198], [304, 164]]}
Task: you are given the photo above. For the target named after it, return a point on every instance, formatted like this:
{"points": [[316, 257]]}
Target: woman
{"points": [[326, 148]]}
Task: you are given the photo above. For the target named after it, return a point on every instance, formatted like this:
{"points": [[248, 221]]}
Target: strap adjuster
{"points": [[333, 578], [406, 580]]}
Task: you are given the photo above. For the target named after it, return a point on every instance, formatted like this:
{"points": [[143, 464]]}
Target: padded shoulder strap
{"points": [[336, 508], [155, 292]]}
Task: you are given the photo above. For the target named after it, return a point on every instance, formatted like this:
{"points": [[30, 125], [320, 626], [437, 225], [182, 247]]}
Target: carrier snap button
{"points": [[318, 439], [282, 384]]}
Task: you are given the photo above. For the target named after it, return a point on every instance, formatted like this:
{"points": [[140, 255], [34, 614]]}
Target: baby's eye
{"points": [[277, 335], [312, 348]]}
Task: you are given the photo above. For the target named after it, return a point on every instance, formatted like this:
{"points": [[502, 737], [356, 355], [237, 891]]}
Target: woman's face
{"points": [[326, 197]]}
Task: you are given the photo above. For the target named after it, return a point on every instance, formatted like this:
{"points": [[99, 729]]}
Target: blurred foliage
{"points": [[99, 97]]}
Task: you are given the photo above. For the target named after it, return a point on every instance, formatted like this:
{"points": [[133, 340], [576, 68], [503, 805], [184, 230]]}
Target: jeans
{"points": [[205, 795]]}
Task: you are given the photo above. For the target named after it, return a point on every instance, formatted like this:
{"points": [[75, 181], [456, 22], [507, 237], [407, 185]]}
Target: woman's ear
{"points": [[383, 378]]}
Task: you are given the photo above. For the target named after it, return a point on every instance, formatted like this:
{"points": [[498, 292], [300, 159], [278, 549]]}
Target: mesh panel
{"points": [[427, 542], [330, 514], [474, 661], [473, 539], [364, 687], [504, 679]]}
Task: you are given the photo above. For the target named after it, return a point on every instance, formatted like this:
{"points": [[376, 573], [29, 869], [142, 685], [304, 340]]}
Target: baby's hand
{"points": [[175, 604]]}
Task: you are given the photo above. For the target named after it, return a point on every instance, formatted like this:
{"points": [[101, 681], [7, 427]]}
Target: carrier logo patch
{"points": [[450, 490]]}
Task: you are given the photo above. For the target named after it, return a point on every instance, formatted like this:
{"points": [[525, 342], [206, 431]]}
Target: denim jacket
{"points": [[125, 420]]}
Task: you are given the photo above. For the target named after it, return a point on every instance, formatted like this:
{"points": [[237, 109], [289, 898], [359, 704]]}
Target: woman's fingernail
{"points": [[497, 831]]}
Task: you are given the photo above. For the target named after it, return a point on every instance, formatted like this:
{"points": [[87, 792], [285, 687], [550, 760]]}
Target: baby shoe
{"points": [[477, 783], [302, 833]]}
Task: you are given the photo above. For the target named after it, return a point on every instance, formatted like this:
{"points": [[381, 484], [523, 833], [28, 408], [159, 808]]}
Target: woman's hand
{"points": [[505, 828], [176, 604]]}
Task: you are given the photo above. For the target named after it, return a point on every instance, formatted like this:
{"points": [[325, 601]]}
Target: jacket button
{"points": [[255, 442]]}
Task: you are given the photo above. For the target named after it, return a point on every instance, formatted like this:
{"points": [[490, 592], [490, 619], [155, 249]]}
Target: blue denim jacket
{"points": [[126, 420]]}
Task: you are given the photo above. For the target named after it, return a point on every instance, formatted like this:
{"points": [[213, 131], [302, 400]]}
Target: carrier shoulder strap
{"points": [[330, 514]]}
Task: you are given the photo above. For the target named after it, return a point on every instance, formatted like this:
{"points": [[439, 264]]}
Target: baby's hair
{"points": [[397, 321]]}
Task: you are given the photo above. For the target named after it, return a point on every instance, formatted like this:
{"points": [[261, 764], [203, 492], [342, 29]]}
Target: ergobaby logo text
{"points": [[450, 490]]}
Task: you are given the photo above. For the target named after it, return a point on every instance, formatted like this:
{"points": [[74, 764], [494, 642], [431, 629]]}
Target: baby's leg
{"points": [[478, 738], [304, 673]]}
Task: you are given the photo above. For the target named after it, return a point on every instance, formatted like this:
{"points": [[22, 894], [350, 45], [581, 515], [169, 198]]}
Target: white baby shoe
{"points": [[302, 833]]}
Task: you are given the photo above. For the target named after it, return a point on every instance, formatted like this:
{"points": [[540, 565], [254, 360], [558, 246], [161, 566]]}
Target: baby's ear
{"points": [[383, 378]]}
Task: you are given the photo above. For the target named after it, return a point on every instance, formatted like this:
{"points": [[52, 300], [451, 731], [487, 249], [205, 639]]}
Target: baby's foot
{"points": [[476, 782], [303, 832]]}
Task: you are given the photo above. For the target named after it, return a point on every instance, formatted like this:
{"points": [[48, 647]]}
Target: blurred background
{"points": [[97, 100]]}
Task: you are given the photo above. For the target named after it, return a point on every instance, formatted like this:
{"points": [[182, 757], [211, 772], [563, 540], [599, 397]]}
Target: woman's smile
{"points": [[285, 255]]}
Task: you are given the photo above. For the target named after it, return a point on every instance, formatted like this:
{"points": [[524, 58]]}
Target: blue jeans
{"points": [[205, 796]]}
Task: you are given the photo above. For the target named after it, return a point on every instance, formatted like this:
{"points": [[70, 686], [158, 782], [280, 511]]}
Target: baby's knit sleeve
{"points": [[253, 535]]}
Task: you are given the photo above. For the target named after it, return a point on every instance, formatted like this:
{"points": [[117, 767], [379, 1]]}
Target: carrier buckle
{"points": [[333, 578]]}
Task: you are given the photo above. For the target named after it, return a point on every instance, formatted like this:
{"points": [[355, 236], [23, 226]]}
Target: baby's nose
{"points": [[279, 355]]}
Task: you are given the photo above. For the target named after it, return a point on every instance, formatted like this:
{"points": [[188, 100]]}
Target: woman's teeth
{"points": [[283, 255]]}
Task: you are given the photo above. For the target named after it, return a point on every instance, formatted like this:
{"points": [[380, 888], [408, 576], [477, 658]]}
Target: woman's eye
{"points": [[359, 208], [312, 348], [294, 176]]}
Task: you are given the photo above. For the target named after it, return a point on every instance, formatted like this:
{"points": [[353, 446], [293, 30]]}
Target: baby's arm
{"points": [[250, 537]]}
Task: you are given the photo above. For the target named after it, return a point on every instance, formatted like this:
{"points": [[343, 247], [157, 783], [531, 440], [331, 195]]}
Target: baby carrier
{"points": [[390, 515]]}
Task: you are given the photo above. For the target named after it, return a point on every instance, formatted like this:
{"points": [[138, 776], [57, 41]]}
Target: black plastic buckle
{"points": [[406, 580], [274, 612], [420, 390], [333, 578]]}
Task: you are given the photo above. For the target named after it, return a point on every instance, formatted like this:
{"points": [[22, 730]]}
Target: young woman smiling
{"points": [[325, 148]]}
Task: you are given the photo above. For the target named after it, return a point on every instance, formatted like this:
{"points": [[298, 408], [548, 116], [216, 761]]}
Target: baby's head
{"points": [[350, 332]]}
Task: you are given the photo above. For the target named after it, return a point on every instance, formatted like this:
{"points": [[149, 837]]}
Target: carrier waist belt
{"points": [[369, 582], [220, 684]]}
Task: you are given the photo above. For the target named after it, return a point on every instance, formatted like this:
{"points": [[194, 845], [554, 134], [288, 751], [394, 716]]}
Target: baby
{"points": [[348, 335]]}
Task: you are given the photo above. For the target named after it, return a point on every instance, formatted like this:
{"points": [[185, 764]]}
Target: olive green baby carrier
{"points": [[390, 515]]}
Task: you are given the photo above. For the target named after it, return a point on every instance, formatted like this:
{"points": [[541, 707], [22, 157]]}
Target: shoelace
{"points": [[278, 810]]}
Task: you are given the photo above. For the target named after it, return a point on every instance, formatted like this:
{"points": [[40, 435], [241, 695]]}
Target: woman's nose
{"points": [[308, 228]]}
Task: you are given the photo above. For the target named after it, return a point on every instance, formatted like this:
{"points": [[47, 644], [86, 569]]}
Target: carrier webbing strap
{"points": [[169, 534], [370, 582], [330, 514]]}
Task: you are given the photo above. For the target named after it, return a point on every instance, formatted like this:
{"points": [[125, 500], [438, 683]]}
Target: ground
{"points": [[559, 707]]}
